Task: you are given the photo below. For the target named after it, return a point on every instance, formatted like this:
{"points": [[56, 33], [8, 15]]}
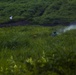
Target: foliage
{"points": [[38, 11], [31, 50]]}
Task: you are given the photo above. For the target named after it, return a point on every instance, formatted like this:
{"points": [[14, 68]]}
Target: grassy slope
{"points": [[31, 50], [38, 11]]}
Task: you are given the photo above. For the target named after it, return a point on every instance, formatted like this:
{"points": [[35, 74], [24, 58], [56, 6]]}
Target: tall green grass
{"points": [[31, 50]]}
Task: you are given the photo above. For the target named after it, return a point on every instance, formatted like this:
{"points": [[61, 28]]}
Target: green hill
{"points": [[31, 50], [39, 11]]}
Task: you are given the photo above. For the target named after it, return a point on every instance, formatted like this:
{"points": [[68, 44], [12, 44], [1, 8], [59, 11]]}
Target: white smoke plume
{"points": [[63, 30], [69, 28]]}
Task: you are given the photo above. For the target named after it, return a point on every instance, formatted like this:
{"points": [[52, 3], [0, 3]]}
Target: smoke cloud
{"points": [[63, 30], [69, 28]]}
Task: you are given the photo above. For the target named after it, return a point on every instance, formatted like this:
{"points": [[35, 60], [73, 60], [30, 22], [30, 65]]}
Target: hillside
{"points": [[38, 11], [31, 50]]}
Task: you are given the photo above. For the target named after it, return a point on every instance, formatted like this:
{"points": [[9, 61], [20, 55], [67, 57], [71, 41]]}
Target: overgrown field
{"points": [[38, 11], [31, 50]]}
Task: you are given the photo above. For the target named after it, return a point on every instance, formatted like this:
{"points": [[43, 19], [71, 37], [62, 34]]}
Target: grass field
{"points": [[38, 11], [31, 50]]}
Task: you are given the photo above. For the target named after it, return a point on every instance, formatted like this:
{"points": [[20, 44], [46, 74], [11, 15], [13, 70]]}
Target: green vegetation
{"points": [[38, 11], [31, 50]]}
